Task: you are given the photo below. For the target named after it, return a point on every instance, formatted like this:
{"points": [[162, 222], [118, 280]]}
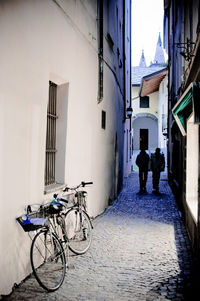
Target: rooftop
{"points": [[139, 72], [157, 65], [142, 60], [159, 55], [151, 82]]}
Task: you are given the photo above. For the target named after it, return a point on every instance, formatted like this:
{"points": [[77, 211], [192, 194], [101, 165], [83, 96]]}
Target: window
{"points": [[144, 102], [51, 135], [103, 120], [56, 135]]}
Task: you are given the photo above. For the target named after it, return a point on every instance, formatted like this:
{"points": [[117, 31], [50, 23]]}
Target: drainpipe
{"points": [[124, 58], [130, 6], [100, 50]]}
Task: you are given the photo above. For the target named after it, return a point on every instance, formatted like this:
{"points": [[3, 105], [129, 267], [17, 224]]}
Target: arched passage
{"points": [[145, 131]]}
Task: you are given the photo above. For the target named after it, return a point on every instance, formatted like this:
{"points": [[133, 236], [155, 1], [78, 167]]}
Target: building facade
{"points": [[182, 41], [163, 114], [155, 86], [65, 88], [146, 102]]}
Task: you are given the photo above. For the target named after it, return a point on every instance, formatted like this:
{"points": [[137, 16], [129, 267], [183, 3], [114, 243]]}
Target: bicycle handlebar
{"points": [[86, 183], [83, 184]]}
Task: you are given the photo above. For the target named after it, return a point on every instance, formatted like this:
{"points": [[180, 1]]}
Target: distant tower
{"points": [[142, 60], [159, 55]]}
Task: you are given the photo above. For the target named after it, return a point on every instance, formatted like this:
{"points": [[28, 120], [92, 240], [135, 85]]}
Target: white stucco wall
{"points": [[192, 164], [163, 113], [41, 41], [128, 134]]}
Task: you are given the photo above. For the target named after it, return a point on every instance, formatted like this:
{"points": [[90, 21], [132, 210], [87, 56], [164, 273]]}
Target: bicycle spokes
{"points": [[48, 260]]}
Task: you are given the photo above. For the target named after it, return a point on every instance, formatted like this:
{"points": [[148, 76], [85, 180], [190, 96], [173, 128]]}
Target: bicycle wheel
{"points": [[48, 260], [79, 231]]}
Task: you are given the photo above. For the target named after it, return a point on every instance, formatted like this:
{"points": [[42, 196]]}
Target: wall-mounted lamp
{"points": [[129, 111], [187, 49], [164, 132]]}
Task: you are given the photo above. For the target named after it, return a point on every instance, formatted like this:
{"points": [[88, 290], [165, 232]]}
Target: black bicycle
{"points": [[47, 255], [77, 221]]}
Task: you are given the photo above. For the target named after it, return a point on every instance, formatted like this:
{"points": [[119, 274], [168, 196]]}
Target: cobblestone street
{"points": [[140, 251]]}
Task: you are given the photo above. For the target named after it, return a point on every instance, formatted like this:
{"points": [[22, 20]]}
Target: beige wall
{"points": [[145, 118], [158, 107], [153, 103], [41, 41]]}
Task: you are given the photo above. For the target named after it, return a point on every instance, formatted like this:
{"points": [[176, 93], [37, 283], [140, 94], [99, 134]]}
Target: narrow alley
{"points": [[140, 251]]}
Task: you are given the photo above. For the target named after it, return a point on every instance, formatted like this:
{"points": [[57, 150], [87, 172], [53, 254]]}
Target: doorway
{"points": [[144, 139]]}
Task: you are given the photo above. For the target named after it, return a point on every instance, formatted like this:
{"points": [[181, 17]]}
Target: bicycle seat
{"points": [[55, 207]]}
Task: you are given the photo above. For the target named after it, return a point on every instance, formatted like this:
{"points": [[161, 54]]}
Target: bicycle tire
{"points": [[79, 238], [48, 260]]}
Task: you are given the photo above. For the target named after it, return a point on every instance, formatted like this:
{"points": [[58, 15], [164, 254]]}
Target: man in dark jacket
{"points": [[142, 162], [157, 165]]}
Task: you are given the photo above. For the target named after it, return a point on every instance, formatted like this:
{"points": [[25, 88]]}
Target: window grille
{"points": [[51, 136]]}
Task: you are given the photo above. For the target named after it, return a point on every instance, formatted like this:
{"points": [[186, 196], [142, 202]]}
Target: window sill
{"points": [[54, 188]]}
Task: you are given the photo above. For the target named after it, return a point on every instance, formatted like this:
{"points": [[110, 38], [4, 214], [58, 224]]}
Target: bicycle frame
{"points": [[57, 225]]}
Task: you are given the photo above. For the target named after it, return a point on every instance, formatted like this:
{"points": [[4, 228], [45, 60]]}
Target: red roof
{"points": [[151, 82]]}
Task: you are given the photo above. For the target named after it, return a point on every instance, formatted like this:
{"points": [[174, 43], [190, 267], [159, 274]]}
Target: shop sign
{"points": [[188, 103]]}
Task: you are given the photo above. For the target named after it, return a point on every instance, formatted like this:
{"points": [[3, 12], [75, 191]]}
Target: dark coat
{"points": [[157, 163], [142, 161]]}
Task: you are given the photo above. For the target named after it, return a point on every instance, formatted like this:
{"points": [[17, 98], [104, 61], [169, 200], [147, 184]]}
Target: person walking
{"points": [[142, 162], [157, 165]]}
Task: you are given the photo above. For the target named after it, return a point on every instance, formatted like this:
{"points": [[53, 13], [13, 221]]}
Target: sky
{"points": [[147, 22]]}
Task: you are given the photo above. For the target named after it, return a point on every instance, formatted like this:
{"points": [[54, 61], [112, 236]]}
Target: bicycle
{"points": [[73, 225], [47, 255], [49, 245], [77, 221]]}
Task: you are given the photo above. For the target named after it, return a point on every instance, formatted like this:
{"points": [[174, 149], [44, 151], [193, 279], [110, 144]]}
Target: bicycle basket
{"points": [[31, 224], [81, 198], [33, 220]]}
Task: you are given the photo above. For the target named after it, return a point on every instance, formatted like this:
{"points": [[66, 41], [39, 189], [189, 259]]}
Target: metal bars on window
{"points": [[51, 136]]}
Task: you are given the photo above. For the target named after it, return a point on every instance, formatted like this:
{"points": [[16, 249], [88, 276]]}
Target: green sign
{"points": [[184, 108]]}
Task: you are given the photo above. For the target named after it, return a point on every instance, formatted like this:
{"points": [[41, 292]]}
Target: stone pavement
{"points": [[140, 251]]}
